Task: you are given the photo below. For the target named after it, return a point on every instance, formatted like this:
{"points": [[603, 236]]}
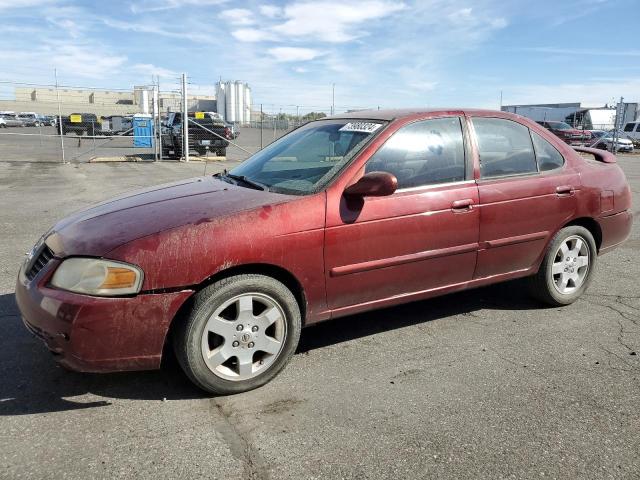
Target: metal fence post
{"points": [[185, 119], [55, 74]]}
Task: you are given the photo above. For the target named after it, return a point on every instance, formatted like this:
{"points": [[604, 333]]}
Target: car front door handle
{"points": [[461, 206], [564, 190]]}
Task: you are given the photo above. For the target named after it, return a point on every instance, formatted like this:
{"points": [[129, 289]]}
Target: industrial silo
{"points": [[220, 100], [230, 102], [239, 101]]}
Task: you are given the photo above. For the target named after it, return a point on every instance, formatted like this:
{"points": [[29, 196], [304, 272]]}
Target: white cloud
{"points": [[161, 30], [423, 85], [252, 35], [83, 61], [71, 61], [293, 54], [238, 16], [14, 4], [593, 93], [332, 21], [145, 6], [270, 11], [151, 69], [584, 51]]}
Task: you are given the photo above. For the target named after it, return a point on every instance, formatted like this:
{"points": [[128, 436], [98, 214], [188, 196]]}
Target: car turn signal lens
{"points": [[119, 278]]}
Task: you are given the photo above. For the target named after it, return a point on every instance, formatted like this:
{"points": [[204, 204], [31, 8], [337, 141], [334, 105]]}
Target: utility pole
{"points": [[297, 115], [500, 99], [185, 119], [261, 125], [616, 126], [159, 122], [333, 98], [55, 74]]}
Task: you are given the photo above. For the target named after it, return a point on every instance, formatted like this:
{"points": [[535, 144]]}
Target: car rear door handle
{"points": [[460, 206], [564, 190]]}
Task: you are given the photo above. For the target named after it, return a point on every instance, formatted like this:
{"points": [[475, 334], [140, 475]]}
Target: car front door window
{"points": [[423, 153]]}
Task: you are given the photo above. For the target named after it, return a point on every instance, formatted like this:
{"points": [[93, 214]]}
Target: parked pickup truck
{"points": [[79, 123], [205, 134]]}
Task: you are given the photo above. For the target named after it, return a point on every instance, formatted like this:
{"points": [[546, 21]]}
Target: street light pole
{"points": [[55, 74], [333, 98], [185, 119]]}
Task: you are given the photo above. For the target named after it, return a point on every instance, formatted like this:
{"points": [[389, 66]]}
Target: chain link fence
{"points": [[77, 124]]}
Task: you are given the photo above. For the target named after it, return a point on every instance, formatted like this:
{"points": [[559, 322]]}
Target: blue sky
{"points": [[378, 52]]}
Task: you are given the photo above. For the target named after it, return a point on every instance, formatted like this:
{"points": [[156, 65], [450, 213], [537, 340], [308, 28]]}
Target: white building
{"points": [[234, 101]]}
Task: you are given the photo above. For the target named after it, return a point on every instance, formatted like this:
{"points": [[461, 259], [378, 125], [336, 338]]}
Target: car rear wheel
{"points": [[239, 334], [567, 268]]}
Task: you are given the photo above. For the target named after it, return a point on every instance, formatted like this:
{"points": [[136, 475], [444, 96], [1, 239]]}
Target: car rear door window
{"points": [[505, 148], [548, 157], [423, 153]]}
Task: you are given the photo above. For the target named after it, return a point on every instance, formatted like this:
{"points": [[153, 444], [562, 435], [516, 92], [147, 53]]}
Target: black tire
{"points": [[177, 153], [542, 285], [187, 338], [221, 152], [202, 152]]}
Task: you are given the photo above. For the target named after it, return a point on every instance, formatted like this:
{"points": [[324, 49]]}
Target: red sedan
{"points": [[342, 215]]}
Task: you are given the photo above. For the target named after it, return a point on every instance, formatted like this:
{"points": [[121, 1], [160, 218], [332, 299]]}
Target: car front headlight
{"points": [[93, 276]]}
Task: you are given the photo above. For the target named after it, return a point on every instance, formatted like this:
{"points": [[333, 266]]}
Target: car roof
{"points": [[395, 113]]}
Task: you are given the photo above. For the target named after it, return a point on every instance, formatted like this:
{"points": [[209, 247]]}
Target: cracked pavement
{"points": [[481, 384]]}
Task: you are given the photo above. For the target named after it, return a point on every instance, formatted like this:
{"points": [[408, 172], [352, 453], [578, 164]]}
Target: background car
{"points": [[11, 120], [566, 132], [30, 119], [605, 142], [49, 120]]}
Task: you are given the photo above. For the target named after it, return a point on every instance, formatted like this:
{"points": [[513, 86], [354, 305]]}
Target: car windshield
{"points": [[305, 160], [560, 125]]}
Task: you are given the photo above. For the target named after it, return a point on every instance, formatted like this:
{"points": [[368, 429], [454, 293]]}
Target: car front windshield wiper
{"points": [[248, 182]]}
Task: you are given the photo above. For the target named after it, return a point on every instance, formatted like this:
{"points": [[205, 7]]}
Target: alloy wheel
{"points": [[244, 336], [570, 265]]}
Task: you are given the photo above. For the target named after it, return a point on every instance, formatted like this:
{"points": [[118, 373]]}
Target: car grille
{"points": [[39, 262]]}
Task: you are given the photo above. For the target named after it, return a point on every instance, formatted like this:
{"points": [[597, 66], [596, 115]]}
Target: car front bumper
{"points": [[97, 334]]}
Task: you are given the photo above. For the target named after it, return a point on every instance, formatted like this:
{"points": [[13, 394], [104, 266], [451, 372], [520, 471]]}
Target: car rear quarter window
{"points": [[505, 148], [423, 153], [629, 127], [548, 157]]}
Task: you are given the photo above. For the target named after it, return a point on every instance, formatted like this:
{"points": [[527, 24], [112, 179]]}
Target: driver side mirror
{"points": [[373, 184]]}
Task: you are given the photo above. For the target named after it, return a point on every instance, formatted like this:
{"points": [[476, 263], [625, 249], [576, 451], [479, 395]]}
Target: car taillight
{"points": [[227, 132]]}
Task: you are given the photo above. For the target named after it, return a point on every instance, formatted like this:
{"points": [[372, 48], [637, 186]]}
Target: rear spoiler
{"points": [[601, 155]]}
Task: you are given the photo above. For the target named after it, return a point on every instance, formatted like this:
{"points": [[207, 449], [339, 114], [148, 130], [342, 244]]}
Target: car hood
{"points": [[108, 225]]}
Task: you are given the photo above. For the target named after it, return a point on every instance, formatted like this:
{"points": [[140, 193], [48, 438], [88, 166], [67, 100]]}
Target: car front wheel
{"points": [[239, 334], [567, 268]]}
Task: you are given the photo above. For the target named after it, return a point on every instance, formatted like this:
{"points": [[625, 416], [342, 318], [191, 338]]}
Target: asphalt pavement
{"points": [[481, 384]]}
